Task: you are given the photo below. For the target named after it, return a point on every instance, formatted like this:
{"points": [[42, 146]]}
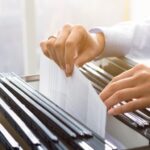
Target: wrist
{"points": [[100, 41]]}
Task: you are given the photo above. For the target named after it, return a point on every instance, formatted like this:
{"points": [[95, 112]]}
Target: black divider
{"points": [[7, 139], [20, 126]]}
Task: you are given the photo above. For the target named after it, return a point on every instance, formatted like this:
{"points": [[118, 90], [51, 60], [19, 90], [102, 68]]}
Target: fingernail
{"points": [[111, 112], [68, 69]]}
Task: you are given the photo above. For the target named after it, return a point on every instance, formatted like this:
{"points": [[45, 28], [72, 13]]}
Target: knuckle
{"points": [[140, 66], [42, 44], [69, 43], [119, 95], [50, 44], [113, 87], [121, 110], [114, 79], [136, 105], [142, 75], [136, 77], [79, 26], [133, 80], [79, 29], [58, 45], [102, 95], [66, 26]]}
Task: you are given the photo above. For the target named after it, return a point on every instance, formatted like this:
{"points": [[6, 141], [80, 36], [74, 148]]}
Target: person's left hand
{"points": [[134, 85]]}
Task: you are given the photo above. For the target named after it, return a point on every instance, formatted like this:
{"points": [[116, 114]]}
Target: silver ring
{"points": [[52, 37]]}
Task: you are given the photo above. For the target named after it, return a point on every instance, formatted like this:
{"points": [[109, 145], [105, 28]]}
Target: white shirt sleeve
{"points": [[125, 38]]}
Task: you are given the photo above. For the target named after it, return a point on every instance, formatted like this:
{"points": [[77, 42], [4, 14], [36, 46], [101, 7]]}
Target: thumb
{"points": [[83, 58]]}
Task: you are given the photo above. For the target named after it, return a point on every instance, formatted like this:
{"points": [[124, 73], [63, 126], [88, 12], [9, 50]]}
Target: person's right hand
{"points": [[73, 46]]}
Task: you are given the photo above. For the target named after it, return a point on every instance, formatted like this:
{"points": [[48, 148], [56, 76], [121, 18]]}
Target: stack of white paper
{"points": [[75, 95]]}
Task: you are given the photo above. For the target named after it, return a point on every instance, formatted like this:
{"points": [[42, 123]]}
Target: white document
{"points": [[75, 95]]}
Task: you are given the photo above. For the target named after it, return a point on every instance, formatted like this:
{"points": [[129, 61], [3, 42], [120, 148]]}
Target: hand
{"points": [[73, 46], [134, 85]]}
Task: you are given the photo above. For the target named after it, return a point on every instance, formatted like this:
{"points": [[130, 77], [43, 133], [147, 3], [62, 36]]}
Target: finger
{"points": [[123, 75], [44, 48], [130, 106], [84, 57], [116, 86], [60, 44], [123, 95], [129, 72], [50, 45], [71, 48]]}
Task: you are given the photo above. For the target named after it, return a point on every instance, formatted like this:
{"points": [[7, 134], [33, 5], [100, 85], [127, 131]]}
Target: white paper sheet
{"points": [[75, 95]]}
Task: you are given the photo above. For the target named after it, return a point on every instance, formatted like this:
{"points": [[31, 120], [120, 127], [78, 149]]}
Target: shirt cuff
{"points": [[117, 42]]}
